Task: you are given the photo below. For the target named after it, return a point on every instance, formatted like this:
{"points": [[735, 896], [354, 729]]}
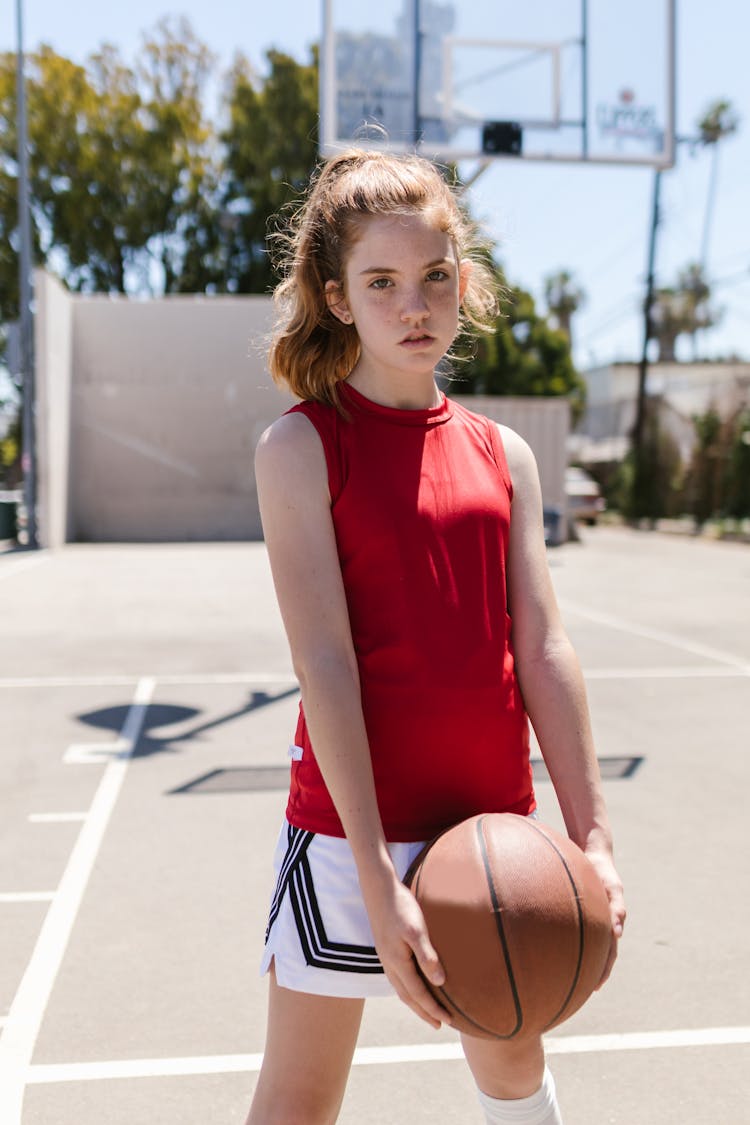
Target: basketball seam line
{"points": [[581, 928], [497, 914]]}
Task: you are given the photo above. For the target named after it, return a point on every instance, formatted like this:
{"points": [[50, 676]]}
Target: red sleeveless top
{"points": [[420, 501]]}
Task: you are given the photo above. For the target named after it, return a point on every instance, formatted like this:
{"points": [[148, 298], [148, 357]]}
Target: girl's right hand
{"points": [[402, 943]]}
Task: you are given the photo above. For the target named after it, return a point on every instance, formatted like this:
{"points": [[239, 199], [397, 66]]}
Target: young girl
{"points": [[406, 541]]}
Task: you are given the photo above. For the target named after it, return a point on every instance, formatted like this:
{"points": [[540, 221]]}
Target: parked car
{"points": [[583, 495]]}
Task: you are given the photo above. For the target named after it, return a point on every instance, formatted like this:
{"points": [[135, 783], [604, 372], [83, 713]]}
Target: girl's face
{"points": [[402, 288]]}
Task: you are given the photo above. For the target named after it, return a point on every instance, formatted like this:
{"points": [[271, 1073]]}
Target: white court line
{"points": [[673, 639], [44, 1074], [29, 1004], [96, 753], [685, 672], [56, 817], [115, 680], [27, 896], [15, 566], [681, 672]]}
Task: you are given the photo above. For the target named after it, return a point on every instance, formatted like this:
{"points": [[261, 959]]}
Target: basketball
{"points": [[519, 919]]}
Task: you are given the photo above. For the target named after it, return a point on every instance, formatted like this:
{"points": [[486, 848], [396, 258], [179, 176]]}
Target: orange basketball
{"points": [[520, 921]]}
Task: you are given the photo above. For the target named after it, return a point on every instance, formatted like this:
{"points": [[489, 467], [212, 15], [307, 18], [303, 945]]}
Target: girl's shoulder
{"points": [[298, 423], [300, 445], [289, 439], [522, 466], [517, 449]]}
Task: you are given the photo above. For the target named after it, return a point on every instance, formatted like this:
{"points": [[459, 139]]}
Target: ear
{"points": [[336, 302], [465, 267]]}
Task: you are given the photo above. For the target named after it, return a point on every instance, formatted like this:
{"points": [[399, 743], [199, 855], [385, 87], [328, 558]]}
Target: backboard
{"points": [[557, 80]]}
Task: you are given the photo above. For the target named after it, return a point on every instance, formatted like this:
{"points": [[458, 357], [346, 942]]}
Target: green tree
{"points": [[9, 191], [738, 474], [270, 152], [700, 314], [719, 475], [122, 164], [85, 136], [704, 483], [669, 320], [661, 487], [10, 452], [683, 309], [181, 155], [563, 297], [525, 356]]}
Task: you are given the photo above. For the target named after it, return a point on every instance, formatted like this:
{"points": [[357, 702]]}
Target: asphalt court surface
{"points": [[147, 702]]}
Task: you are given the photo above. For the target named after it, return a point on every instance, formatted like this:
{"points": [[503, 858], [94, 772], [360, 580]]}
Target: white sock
{"points": [[539, 1109]]}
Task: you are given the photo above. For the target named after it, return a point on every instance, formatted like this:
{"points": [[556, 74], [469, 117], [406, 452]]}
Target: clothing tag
{"points": [[295, 753]]}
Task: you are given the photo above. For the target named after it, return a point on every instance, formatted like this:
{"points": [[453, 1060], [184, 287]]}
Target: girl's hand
{"points": [[402, 942], [605, 869]]}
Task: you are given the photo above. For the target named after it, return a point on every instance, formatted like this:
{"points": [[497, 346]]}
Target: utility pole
{"points": [[26, 322], [639, 468]]}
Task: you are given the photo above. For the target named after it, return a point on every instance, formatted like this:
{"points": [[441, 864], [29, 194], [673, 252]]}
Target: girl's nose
{"points": [[415, 306]]}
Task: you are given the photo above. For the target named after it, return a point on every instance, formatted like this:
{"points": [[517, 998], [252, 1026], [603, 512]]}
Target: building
{"points": [[683, 390]]}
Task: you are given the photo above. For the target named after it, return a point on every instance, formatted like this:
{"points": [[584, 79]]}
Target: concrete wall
{"points": [[152, 409], [544, 424], [169, 400]]}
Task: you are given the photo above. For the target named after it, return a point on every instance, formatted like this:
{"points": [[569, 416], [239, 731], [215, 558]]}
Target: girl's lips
{"points": [[417, 341]]}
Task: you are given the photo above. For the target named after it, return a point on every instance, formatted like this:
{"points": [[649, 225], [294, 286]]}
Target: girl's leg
{"points": [[513, 1082], [310, 1042]]}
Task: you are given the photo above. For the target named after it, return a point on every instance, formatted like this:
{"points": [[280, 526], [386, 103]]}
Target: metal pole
{"points": [[28, 453], [640, 410], [584, 79], [417, 125], [326, 84]]}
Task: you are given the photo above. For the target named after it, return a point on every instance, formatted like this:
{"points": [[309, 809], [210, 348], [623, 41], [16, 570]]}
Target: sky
{"points": [[590, 220]]}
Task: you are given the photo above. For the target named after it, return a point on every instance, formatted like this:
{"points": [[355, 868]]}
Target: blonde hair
{"points": [[311, 350]]}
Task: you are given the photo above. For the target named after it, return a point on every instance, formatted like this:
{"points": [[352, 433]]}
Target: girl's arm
{"points": [[551, 681], [292, 483]]}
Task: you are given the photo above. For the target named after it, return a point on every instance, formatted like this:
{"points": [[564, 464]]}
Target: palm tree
{"points": [[682, 309], [696, 294], [718, 122], [669, 319], [563, 297]]}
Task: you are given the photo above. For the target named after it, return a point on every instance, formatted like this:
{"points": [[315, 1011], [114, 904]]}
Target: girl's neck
{"points": [[418, 392]]}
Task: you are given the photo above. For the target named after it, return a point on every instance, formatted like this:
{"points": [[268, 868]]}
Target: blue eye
{"points": [[381, 283]]}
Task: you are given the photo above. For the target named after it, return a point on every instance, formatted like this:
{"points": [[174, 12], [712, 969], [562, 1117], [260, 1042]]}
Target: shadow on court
{"points": [[171, 715]]}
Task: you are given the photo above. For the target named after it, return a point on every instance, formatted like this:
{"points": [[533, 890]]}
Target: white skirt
{"points": [[318, 936]]}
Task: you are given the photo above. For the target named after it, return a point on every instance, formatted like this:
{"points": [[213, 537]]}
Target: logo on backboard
{"points": [[628, 118]]}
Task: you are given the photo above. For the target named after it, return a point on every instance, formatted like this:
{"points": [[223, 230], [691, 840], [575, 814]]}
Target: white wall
{"points": [[169, 400], [544, 424], [153, 409]]}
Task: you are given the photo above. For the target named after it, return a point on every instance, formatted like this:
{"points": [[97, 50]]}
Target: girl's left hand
{"points": [[604, 866]]}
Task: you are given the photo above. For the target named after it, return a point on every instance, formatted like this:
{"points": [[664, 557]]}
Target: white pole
{"points": [[26, 322]]}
